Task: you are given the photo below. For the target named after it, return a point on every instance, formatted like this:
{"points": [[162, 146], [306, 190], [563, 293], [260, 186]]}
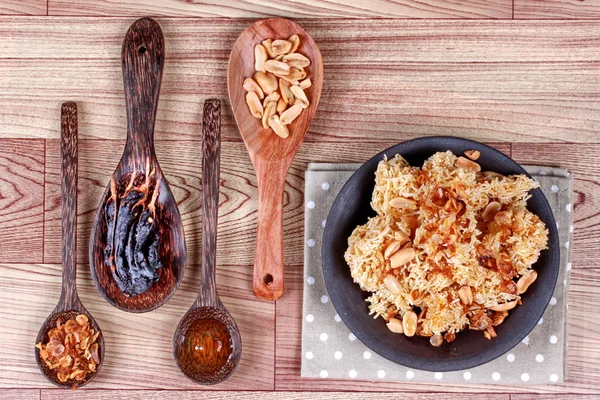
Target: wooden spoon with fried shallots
{"points": [[69, 306]]}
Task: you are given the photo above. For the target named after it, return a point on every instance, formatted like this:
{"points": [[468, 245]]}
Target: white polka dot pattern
{"points": [[367, 355], [310, 280], [410, 374], [324, 299], [324, 374], [310, 318], [310, 242], [352, 374], [539, 358], [467, 375], [525, 377], [496, 376], [438, 375], [510, 357], [381, 374], [323, 337], [337, 318], [553, 339], [325, 186], [311, 204], [309, 355], [337, 355]]}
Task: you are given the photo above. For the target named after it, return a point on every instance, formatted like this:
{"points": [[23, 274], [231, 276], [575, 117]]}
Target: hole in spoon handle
{"points": [[68, 171], [143, 55], [268, 261]]}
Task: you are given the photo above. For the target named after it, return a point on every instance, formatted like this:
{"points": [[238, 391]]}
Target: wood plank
{"points": [[485, 101], [181, 163], [20, 394], [494, 81], [23, 7], [557, 9], [583, 361], [198, 395], [272, 8], [583, 163], [139, 352], [530, 396], [21, 200]]}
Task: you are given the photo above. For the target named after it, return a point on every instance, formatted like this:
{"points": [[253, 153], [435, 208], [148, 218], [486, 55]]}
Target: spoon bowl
{"points": [[69, 305], [271, 155], [212, 326], [143, 58], [207, 345]]}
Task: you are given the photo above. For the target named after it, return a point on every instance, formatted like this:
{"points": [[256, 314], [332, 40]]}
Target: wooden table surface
{"points": [[523, 76]]}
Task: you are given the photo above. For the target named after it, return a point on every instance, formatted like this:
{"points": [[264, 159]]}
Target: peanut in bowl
{"points": [[441, 315]]}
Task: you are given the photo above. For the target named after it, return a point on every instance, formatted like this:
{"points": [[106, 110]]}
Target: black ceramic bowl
{"points": [[471, 348]]}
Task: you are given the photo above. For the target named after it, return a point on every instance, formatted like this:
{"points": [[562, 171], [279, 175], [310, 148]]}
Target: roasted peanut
{"points": [[254, 104], [305, 84], [288, 116], [296, 60], [277, 67], [472, 154], [465, 294], [300, 96], [281, 106], [395, 325], [504, 306], [525, 281], [503, 217], [391, 283], [286, 92], [402, 257], [272, 97], [436, 340], [467, 164], [492, 174], [281, 47], [403, 202], [392, 248], [251, 86], [280, 129], [268, 112], [267, 45], [409, 323], [260, 56], [295, 41], [267, 81], [491, 210]]}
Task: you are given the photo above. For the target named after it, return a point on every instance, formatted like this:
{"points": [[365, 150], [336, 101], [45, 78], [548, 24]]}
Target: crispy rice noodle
{"points": [[454, 245]]}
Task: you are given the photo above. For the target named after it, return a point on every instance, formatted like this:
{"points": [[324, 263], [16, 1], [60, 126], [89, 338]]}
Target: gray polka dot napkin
{"points": [[329, 350]]}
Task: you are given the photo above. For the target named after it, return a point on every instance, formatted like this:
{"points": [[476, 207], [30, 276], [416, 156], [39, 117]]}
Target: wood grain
{"points": [[139, 353], [557, 9], [583, 163], [511, 81], [21, 199], [20, 394], [195, 395], [270, 8], [23, 7]]}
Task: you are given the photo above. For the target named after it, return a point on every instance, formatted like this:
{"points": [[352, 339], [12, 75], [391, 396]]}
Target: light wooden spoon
{"points": [[270, 154]]}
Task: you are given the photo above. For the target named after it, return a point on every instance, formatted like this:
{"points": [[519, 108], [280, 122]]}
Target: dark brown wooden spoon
{"points": [[270, 154], [143, 57], [69, 305], [207, 344]]}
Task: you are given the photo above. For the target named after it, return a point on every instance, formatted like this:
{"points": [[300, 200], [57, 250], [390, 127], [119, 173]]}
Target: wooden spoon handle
{"points": [[143, 55], [268, 261], [68, 172], [211, 153]]}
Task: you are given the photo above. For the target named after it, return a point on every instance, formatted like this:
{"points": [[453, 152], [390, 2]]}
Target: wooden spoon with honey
{"points": [[69, 306], [207, 344], [137, 246], [271, 155]]}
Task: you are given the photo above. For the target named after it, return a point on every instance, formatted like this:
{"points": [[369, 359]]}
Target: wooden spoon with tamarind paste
{"points": [[271, 155], [137, 245]]}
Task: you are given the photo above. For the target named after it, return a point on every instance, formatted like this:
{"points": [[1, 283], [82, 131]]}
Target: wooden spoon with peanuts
{"points": [[271, 154]]}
